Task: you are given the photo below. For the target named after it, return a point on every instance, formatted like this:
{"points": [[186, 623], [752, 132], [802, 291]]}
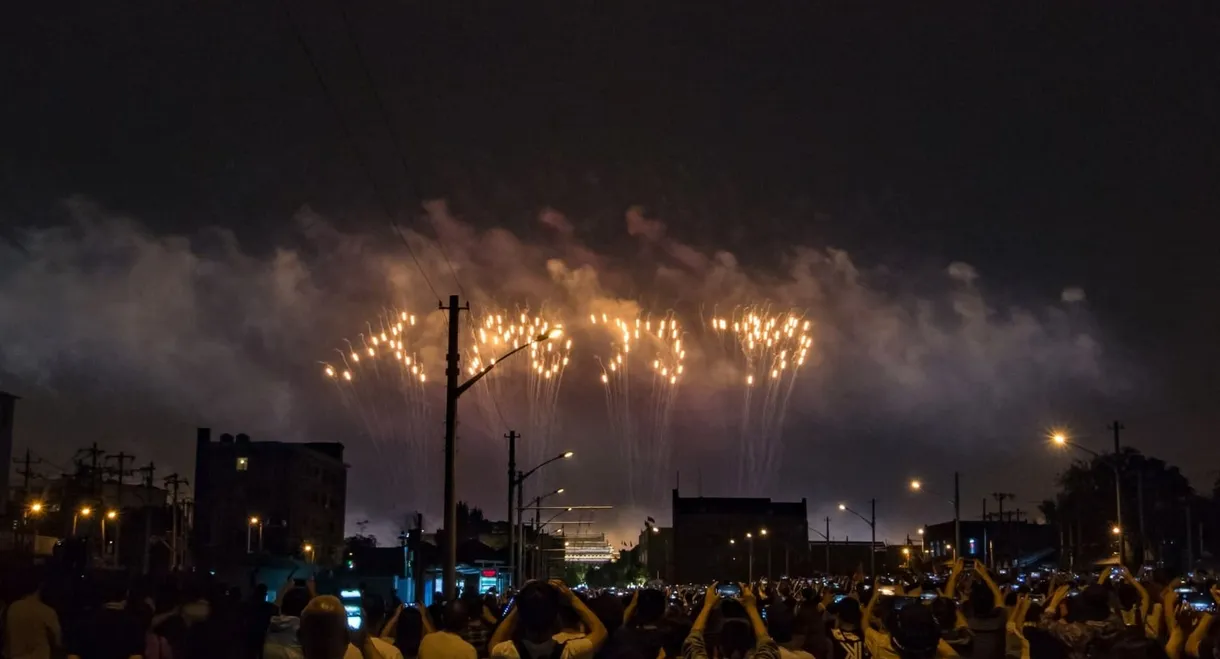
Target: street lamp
{"points": [[84, 511], [872, 525], [534, 503], [1061, 439], [110, 515], [453, 391], [254, 521], [956, 500], [516, 480], [309, 552], [36, 507]]}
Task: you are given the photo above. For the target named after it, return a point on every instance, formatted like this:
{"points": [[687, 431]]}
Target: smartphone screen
{"points": [[839, 598], [728, 590]]}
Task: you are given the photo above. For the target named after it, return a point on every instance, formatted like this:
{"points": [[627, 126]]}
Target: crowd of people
{"points": [[968, 612]]}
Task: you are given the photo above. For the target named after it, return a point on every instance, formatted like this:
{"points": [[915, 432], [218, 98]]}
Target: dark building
{"points": [[657, 546], [279, 496], [710, 541], [999, 544], [8, 406]]}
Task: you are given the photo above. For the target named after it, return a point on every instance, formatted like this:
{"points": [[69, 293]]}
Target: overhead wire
{"points": [[394, 140], [364, 165]]}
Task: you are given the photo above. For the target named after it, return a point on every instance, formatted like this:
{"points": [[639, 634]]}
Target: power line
{"points": [[364, 165], [394, 141]]}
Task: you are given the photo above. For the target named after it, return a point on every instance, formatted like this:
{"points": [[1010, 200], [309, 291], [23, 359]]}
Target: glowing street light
{"points": [[871, 520], [1116, 530], [254, 521], [84, 511], [111, 514], [916, 485], [36, 507], [309, 551], [1060, 438]]}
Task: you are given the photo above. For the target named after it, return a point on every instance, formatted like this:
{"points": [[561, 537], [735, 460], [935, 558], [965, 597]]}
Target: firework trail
{"points": [[522, 393], [380, 378], [640, 375], [768, 350]]}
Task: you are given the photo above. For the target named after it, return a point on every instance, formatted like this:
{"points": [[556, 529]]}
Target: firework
{"points": [[640, 374], [523, 392], [382, 379], [768, 350]]}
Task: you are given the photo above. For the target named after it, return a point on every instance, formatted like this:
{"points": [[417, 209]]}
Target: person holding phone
{"points": [[528, 630], [764, 646], [324, 633]]}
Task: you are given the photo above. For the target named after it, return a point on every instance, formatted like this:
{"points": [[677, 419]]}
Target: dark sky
{"points": [[1048, 145]]}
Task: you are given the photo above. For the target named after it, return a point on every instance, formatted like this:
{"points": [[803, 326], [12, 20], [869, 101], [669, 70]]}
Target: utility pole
{"points": [[452, 359], [957, 511], [987, 538], [1140, 503], [149, 472], [174, 482], [512, 483], [94, 453], [828, 547], [1000, 497], [519, 578], [26, 474], [122, 458], [1118, 427]]}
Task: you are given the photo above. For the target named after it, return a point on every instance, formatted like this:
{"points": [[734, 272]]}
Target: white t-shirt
{"points": [[387, 650], [446, 645], [785, 653], [577, 648]]}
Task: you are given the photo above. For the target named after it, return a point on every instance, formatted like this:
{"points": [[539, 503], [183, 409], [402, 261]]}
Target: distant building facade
{"points": [[8, 408], [586, 548], [710, 541], [279, 496], [998, 543], [656, 545]]}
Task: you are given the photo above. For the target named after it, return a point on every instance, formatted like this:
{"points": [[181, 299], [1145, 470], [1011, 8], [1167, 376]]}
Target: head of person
{"points": [[914, 633], [294, 602], [847, 613], [410, 631], [1044, 645], [1135, 645], [456, 616], [944, 610], [736, 638], [1091, 605], [323, 631], [374, 610], [609, 610], [537, 610], [113, 590], [650, 606], [568, 620], [674, 633], [1128, 596], [781, 623], [982, 599]]}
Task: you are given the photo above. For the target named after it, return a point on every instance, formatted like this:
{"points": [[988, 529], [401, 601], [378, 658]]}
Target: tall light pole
{"points": [[872, 525], [750, 542], [516, 482], [956, 500], [84, 511], [534, 503], [763, 533], [453, 391], [113, 516], [826, 537], [1061, 439], [254, 521], [309, 553]]}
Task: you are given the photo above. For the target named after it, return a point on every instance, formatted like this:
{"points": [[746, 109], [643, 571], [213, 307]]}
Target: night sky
{"points": [[199, 228]]}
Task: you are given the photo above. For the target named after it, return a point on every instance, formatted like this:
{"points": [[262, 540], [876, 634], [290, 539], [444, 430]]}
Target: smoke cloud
{"points": [[201, 329]]}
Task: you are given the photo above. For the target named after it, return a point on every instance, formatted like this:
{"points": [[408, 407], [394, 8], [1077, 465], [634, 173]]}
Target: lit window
{"points": [[243, 463]]}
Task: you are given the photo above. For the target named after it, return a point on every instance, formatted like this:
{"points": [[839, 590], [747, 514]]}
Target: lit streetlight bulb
{"points": [[916, 485]]}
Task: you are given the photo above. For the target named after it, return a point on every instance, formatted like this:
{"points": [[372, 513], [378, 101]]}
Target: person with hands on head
{"points": [[528, 630], [446, 642], [324, 633], [985, 616], [764, 647]]}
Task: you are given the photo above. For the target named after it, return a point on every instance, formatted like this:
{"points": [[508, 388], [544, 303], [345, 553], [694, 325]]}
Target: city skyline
{"points": [[987, 223]]}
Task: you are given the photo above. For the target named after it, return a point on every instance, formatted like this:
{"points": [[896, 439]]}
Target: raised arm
{"points": [[1145, 598], [429, 626], [630, 610], [596, 631], [950, 590], [764, 646], [981, 570], [1196, 637], [504, 631]]}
